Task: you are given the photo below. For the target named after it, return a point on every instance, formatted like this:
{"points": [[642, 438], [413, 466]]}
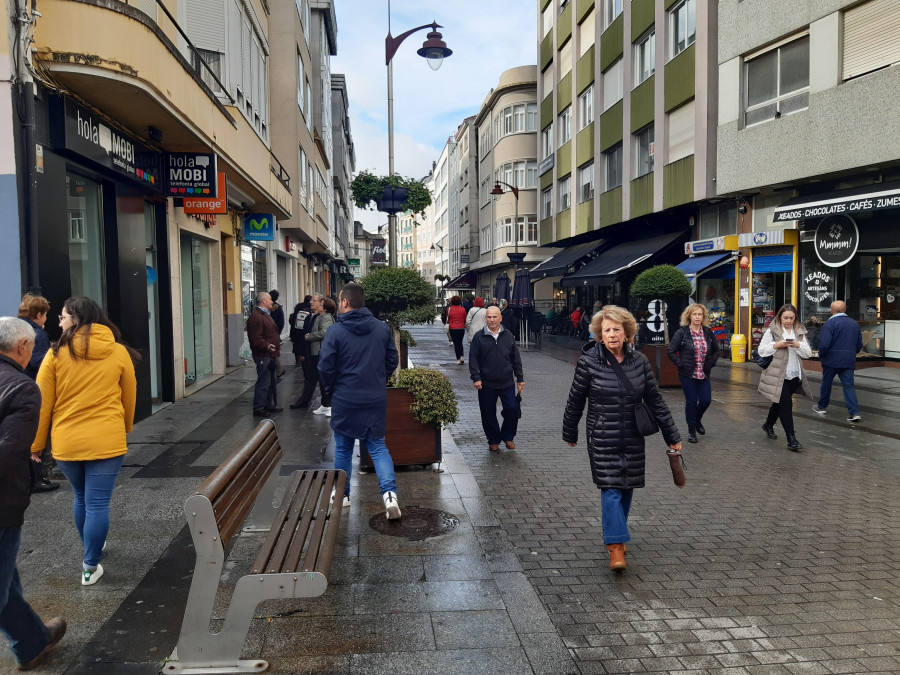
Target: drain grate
{"points": [[416, 523]]}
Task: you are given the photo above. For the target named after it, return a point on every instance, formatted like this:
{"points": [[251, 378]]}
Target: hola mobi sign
{"points": [[259, 227], [190, 174]]}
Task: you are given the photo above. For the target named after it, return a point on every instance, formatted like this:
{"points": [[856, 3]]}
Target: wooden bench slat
{"points": [[334, 523], [271, 557], [269, 448], [236, 512], [297, 541], [321, 520], [222, 476]]}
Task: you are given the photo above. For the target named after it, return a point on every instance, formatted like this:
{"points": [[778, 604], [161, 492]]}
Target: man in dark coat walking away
{"points": [[265, 346], [20, 409], [496, 370], [278, 318], [356, 359], [839, 342]]}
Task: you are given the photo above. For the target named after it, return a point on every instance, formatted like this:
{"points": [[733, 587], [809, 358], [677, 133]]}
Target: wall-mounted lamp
{"points": [[742, 209], [315, 269]]}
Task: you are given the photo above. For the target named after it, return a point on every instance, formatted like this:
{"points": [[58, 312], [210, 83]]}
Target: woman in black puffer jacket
{"points": [[615, 449]]}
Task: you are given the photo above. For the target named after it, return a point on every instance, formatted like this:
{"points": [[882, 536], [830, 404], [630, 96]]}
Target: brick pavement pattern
{"points": [[768, 561]]}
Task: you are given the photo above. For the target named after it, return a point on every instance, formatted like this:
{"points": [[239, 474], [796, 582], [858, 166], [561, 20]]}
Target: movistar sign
{"points": [[259, 227]]}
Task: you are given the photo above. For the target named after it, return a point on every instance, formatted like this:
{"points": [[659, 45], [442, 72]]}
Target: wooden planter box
{"points": [[663, 369], [409, 441]]}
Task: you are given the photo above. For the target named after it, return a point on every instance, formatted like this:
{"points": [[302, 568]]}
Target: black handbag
{"points": [[643, 416], [762, 361]]}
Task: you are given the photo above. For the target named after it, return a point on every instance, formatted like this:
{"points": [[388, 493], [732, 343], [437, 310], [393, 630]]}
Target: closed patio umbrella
{"points": [[501, 288]]}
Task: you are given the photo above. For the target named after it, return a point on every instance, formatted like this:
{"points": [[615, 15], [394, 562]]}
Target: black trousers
{"points": [[487, 403], [311, 379], [784, 409], [457, 335]]}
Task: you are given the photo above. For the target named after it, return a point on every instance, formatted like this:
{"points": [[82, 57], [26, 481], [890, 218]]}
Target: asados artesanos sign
{"points": [[836, 240]]}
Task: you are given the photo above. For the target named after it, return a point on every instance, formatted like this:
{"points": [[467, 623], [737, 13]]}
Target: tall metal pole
{"points": [[392, 217]]}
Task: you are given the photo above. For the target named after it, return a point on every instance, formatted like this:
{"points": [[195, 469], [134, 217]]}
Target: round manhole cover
{"points": [[416, 523]]}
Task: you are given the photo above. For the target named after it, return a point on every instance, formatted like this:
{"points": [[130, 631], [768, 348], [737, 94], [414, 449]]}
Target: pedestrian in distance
{"points": [[30, 639], [840, 340], [509, 320], [694, 352], [265, 347], [456, 323], [475, 319], [297, 336], [277, 313], [34, 310], [357, 358], [495, 367], [88, 392], [615, 448], [322, 321], [575, 318], [785, 341]]}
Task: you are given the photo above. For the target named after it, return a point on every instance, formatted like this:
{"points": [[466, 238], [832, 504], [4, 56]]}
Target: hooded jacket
{"points": [[89, 401], [20, 406], [840, 340], [357, 358], [615, 448]]}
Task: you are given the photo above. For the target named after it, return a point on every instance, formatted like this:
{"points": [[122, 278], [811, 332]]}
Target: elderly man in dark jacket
{"points": [[496, 370], [839, 342], [356, 359], [20, 407], [265, 346]]}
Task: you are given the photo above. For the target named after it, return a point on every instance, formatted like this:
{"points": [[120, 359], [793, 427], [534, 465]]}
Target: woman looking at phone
{"points": [[785, 341]]}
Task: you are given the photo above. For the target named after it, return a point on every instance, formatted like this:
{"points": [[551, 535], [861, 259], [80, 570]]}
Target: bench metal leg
{"points": [[201, 652]]}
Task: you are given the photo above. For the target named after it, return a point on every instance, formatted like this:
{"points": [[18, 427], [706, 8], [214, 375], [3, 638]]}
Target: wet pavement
{"points": [[769, 561]]}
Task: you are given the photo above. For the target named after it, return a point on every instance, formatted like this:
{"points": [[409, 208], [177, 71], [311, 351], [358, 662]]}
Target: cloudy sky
{"points": [[486, 36]]}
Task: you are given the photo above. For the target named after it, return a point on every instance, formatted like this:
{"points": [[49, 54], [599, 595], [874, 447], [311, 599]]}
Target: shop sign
{"points": [[836, 240], [821, 208], [289, 245], [655, 322], [353, 262], [191, 173], [218, 204], [259, 227], [93, 137], [463, 258], [816, 289], [703, 245], [379, 251], [546, 164], [773, 238]]}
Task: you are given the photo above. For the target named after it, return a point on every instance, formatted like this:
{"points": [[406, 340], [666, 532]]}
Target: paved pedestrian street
{"points": [[768, 561]]}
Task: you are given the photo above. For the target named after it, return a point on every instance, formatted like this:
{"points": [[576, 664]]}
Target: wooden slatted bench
{"points": [[293, 562]]}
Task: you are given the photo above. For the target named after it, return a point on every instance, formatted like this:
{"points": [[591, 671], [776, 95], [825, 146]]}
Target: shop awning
{"points": [[694, 267], [560, 262], [464, 282], [847, 202], [603, 270]]}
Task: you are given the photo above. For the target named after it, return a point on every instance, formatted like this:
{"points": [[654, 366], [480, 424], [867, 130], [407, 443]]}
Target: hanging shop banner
{"points": [[93, 137], [259, 227], [836, 240], [190, 173], [218, 204], [379, 250]]}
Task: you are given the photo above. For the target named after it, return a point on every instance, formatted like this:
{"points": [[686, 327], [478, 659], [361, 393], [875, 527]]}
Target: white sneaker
{"points": [[90, 577], [321, 410], [328, 412], [854, 418], [391, 504], [346, 499], [821, 411]]}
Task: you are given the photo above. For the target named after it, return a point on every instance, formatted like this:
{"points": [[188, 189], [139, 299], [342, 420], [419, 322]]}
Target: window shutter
{"points": [[246, 55], [206, 24], [149, 8], [234, 47], [681, 132], [871, 37], [586, 34]]}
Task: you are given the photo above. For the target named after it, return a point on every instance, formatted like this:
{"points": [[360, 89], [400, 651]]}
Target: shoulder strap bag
{"points": [[643, 416]]}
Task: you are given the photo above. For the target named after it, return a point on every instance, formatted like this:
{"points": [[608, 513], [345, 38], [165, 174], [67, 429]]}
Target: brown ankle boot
{"points": [[616, 556]]}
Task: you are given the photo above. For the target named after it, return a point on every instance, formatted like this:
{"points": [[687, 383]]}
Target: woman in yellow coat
{"points": [[88, 391]]}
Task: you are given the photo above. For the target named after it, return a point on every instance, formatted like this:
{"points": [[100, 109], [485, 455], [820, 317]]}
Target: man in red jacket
{"points": [[265, 346]]}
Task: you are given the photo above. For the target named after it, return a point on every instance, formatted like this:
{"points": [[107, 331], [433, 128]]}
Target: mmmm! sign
{"points": [[836, 240]]}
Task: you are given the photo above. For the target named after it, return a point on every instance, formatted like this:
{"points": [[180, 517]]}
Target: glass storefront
{"points": [[155, 350], [84, 199], [195, 308], [771, 286]]}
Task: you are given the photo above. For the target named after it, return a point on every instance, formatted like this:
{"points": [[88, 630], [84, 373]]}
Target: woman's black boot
{"points": [[793, 443], [770, 432], [692, 435], [700, 429]]}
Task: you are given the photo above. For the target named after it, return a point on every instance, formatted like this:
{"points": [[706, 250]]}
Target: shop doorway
{"points": [[154, 336], [195, 309], [84, 211]]}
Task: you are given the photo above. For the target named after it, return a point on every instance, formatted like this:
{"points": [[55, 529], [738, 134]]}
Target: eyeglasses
{"points": [[64, 316]]}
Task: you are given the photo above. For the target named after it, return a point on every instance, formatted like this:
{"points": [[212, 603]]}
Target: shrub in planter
{"points": [[434, 401]]}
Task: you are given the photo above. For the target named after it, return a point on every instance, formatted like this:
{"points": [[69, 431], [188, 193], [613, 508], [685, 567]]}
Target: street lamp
{"points": [[435, 50], [516, 257]]}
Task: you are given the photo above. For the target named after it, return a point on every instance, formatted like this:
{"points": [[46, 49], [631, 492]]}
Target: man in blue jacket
{"points": [[496, 370], [356, 359], [839, 343]]}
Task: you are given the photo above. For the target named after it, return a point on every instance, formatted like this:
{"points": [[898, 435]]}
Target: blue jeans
{"points": [[22, 627], [92, 482], [487, 402], [381, 459], [265, 392], [615, 503], [697, 397], [846, 377]]}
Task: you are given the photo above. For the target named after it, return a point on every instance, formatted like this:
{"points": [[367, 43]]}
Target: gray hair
{"points": [[503, 303], [13, 331], [261, 295], [319, 296]]}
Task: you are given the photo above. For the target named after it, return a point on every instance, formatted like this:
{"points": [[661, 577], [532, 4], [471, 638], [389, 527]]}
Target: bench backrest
{"points": [[234, 485]]}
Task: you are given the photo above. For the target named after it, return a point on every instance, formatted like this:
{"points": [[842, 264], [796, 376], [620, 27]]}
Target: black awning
{"points": [[557, 265], [603, 270], [846, 202], [464, 282], [694, 267]]}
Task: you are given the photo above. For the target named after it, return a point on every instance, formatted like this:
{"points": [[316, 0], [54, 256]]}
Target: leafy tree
{"points": [[366, 189], [398, 295]]}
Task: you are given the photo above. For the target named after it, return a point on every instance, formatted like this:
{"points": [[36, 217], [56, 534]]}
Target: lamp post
{"points": [[443, 281], [435, 50], [516, 257]]}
